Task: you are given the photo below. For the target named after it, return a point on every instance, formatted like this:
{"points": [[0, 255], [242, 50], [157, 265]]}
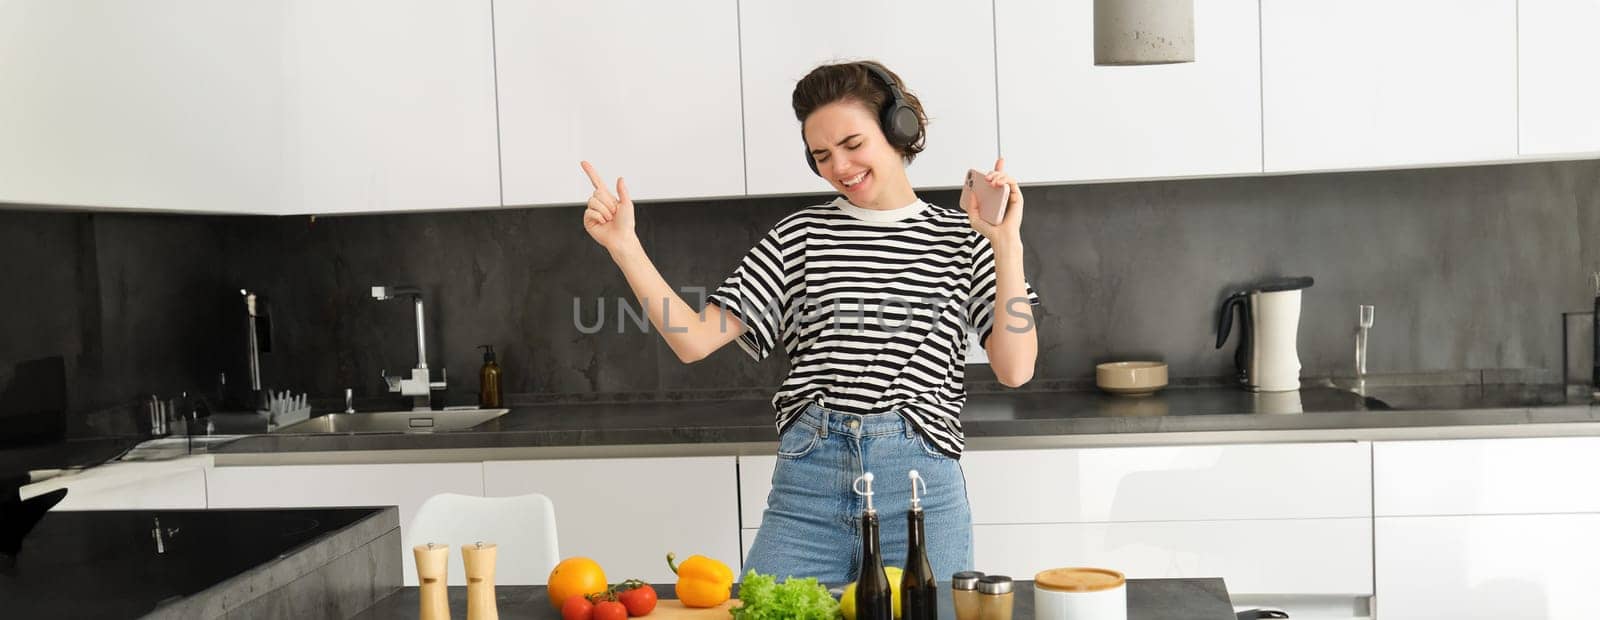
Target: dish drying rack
{"points": [[284, 408]]}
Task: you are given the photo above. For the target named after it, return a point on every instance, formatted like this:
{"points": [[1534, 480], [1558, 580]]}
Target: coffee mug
{"points": [[1080, 594]]}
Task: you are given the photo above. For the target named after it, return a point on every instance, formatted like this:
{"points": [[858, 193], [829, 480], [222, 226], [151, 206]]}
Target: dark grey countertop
{"points": [[997, 415], [202, 563], [1148, 599]]}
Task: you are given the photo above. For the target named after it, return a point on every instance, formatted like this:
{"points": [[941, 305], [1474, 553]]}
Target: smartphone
{"points": [[991, 200]]}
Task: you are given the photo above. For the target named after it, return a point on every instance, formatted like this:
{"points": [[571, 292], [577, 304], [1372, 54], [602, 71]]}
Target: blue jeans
{"points": [[811, 527]]}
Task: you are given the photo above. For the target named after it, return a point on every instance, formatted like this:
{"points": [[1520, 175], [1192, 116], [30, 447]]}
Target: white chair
{"points": [[523, 527]]}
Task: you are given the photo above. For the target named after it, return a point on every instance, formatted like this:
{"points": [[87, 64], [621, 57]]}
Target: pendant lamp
{"points": [[1143, 32]]}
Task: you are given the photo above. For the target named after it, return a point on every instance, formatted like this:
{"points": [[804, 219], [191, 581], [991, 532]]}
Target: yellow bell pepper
{"points": [[702, 581]]}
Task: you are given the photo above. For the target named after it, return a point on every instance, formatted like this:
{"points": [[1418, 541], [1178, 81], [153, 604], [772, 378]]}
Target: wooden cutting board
{"points": [[673, 609]]}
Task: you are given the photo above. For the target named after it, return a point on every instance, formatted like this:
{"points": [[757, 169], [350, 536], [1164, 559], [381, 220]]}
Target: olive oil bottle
{"points": [[919, 592], [874, 595]]}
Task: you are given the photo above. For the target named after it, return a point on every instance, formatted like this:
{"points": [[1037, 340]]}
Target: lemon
{"points": [[847, 601]]}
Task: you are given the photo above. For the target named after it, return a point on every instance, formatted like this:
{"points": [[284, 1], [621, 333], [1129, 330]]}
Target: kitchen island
{"points": [[290, 563], [1148, 599]]}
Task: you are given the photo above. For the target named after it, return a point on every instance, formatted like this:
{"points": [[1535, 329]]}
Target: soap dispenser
{"points": [[489, 396]]}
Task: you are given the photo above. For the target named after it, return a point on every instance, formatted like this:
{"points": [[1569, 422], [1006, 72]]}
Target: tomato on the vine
{"points": [[637, 596]]}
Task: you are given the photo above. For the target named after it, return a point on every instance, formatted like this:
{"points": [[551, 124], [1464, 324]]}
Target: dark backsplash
{"points": [[127, 303], [1468, 267]]}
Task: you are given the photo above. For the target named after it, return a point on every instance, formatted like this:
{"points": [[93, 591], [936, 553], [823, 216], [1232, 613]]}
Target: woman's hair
{"points": [[851, 81]]}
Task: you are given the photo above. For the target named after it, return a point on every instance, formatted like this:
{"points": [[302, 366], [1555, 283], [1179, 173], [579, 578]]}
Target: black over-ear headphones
{"points": [[897, 118]]}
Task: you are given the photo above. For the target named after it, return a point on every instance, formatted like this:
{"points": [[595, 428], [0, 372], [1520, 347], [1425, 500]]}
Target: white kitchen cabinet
{"points": [[1557, 57], [185, 489], [1272, 519], [1170, 483], [178, 484], [164, 105], [747, 538], [644, 90], [389, 106], [1499, 566], [405, 485], [1064, 119], [1485, 476], [1373, 83], [300, 106], [1158, 483], [755, 482], [627, 514], [944, 53], [1299, 557]]}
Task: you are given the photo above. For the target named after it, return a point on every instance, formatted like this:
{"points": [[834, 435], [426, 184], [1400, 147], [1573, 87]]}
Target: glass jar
{"points": [[994, 598], [964, 593]]}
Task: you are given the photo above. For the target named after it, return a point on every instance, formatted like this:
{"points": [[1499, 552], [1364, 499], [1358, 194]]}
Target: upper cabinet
{"points": [[644, 90], [389, 106], [1375, 83], [1064, 119], [166, 104], [296, 106], [944, 52], [1558, 56], [346, 106]]}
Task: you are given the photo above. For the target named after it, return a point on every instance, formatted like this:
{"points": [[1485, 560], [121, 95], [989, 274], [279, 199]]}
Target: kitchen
{"points": [[1443, 171]]}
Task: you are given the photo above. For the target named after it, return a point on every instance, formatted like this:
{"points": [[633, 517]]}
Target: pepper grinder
{"points": [[479, 562], [433, 563]]}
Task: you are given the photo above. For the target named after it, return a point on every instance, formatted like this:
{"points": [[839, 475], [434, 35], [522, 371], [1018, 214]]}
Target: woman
{"points": [[871, 297]]}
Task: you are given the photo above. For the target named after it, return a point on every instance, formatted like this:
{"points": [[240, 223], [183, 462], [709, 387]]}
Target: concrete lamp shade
{"points": [[1143, 32]]}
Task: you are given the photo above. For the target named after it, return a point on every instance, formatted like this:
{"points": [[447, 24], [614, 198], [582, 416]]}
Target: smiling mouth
{"points": [[855, 180]]}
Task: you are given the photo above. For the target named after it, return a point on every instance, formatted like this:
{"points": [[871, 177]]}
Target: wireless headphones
{"points": [[898, 119]]}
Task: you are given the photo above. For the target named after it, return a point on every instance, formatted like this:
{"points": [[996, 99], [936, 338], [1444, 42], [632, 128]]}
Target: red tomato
{"points": [[577, 608], [639, 600], [610, 610]]}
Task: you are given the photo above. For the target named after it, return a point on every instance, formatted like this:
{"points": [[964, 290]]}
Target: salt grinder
{"points": [[433, 563]]}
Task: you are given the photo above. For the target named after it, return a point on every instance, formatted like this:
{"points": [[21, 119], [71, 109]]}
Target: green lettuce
{"points": [[764, 598]]}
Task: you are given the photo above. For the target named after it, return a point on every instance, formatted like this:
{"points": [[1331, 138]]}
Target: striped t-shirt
{"points": [[872, 307]]}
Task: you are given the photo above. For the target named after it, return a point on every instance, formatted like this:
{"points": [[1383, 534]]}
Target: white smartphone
{"points": [[991, 200]]}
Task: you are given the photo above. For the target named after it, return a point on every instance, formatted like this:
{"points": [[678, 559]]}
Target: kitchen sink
{"points": [[393, 422]]}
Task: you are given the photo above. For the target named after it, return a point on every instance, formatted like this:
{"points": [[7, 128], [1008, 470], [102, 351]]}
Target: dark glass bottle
{"points": [[874, 595], [919, 592], [1594, 379], [489, 395]]}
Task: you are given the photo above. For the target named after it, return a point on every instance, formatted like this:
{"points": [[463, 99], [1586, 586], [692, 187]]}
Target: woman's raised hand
{"points": [[609, 218], [1010, 226]]}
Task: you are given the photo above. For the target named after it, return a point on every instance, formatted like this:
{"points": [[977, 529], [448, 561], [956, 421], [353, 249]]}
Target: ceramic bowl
{"points": [[1131, 378]]}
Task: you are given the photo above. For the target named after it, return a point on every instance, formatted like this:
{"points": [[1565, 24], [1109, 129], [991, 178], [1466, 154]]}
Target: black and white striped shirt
{"points": [[872, 308]]}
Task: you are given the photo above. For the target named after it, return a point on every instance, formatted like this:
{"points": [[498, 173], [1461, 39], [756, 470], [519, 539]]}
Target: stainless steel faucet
{"points": [[1361, 346], [252, 305], [419, 386]]}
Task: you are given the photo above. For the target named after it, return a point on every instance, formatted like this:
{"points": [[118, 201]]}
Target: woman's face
{"points": [[852, 154]]}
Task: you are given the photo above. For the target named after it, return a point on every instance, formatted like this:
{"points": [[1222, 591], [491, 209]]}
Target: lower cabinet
{"points": [[131, 486], [627, 514], [405, 485], [1487, 566], [1267, 557], [1486, 528], [1272, 519]]}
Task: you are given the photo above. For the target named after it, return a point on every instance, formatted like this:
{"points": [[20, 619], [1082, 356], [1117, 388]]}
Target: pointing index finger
{"points": [[594, 177], [999, 164]]}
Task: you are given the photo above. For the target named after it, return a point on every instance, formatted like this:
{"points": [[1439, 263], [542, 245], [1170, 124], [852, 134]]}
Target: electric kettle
{"points": [[1269, 323]]}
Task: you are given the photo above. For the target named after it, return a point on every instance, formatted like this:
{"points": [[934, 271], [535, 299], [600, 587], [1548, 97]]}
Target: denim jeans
{"points": [[811, 527]]}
